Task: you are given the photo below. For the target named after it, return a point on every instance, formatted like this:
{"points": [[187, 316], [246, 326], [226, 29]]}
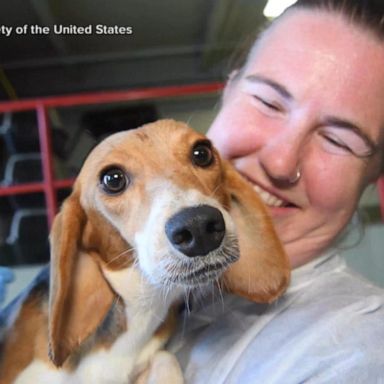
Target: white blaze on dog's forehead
{"points": [[165, 192], [168, 199]]}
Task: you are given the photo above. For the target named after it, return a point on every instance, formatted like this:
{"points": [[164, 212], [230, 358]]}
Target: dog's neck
{"points": [[146, 306], [144, 309]]}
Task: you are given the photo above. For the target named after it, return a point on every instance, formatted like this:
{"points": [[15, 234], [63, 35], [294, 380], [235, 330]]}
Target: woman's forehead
{"points": [[320, 55], [317, 29]]}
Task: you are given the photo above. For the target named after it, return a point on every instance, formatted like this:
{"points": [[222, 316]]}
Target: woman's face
{"points": [[310, 99]]}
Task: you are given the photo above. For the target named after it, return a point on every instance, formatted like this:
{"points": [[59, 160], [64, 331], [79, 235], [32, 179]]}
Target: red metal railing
{"points": [[50, 185]]}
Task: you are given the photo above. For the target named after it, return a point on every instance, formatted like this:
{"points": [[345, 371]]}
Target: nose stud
{"points": [[295, 179]]}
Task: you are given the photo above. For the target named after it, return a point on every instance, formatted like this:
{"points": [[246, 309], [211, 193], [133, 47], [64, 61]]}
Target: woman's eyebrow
{"points": [[331, 120], [275, 85], [345, 124]]}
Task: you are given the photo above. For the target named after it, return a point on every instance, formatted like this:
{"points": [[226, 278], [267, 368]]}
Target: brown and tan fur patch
{"points": [[95, 236]]}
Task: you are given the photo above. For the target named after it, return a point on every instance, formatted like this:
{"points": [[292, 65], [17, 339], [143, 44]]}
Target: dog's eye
{"points": [[202, 154], [113, 180]]}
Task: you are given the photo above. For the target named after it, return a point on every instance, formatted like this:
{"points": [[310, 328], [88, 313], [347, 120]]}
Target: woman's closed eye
{"points": [[270, 105], [266, 97], [335, 141], [344, 141]]}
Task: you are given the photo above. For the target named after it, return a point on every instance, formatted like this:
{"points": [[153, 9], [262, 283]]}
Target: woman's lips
{"points": [[271, 198], [268, 198]]}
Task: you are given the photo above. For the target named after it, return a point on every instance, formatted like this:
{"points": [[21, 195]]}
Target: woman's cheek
{"points": [[329, 191], [228, 134]]}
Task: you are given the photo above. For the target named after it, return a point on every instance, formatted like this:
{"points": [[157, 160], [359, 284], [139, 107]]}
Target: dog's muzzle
{"points": [[196, 231]]}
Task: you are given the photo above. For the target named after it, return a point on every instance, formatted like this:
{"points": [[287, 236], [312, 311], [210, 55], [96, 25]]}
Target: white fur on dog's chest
{"points": [[146, 308]]}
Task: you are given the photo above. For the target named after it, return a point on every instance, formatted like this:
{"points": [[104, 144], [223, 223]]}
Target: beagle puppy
{"points": [[154, 213]]}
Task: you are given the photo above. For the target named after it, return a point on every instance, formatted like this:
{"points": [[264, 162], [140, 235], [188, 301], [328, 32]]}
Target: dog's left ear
{"points": [[262, 272]]}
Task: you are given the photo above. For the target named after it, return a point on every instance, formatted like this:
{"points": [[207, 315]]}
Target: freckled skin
{"points": [[341, 77]]}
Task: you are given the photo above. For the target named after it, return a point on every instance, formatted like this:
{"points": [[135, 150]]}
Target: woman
{"points": [[302, 120]]}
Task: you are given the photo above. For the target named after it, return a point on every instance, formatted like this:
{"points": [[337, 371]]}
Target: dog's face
{"points": [[162, 189], [158, 200]]}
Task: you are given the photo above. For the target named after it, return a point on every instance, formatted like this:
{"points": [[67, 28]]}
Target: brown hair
{"points": [[367, 14]]}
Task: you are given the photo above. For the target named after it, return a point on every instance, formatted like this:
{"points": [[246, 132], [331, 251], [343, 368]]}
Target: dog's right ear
{"points": [[80, 297]]}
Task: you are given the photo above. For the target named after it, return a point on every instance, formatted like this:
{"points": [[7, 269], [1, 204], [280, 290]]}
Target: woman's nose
{"points": [[281, 157]]}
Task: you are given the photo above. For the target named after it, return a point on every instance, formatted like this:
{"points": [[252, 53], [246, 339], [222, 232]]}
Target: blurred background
{"points": [[172, 42], [55, 48]]}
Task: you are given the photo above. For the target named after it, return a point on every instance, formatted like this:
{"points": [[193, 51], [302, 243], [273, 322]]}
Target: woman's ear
{"points": [[77, 285], [262, 273]]}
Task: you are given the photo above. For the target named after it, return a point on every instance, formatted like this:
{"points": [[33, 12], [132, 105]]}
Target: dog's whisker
{"points": [[187, 293], [206, 188], [124, 253], [220, 292], [190, 118], [213, 193]]}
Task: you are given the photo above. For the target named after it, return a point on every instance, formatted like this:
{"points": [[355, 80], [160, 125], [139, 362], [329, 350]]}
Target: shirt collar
{"points": [[305, 274]]}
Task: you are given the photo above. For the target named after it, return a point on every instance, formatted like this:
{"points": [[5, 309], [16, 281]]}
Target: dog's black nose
{"points": [[196, 231]]}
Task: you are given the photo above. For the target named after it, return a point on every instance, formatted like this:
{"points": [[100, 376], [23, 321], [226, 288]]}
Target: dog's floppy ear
{"points": [[262, 272], [80, 297]]}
